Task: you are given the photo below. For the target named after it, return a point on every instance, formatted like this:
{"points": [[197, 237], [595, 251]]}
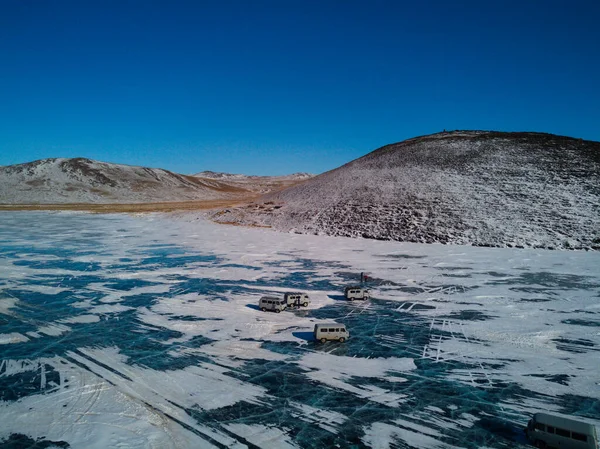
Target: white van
{"points": [[331, 331], [356, 292], [545, 430], [296, 299], [271, 303]]}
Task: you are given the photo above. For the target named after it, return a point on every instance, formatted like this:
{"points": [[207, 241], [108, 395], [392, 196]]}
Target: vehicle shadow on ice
{"points": [[253, 306], [307, 336]]}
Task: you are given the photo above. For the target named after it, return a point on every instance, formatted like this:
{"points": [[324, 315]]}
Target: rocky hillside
{"points": [[79, 180], [468, 187]]}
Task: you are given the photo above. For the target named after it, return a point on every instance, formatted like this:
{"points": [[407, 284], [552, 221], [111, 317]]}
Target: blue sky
{"points": [[274, 87]]}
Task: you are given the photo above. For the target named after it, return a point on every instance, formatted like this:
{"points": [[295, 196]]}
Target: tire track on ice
{"points": [[221, 438]]}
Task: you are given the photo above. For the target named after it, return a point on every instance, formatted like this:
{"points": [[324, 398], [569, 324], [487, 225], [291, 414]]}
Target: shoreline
{"points": [[125, 207]]}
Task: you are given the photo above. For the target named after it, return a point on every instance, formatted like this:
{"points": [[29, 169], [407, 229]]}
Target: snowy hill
{"points": [[467, 187], [82, 180]]}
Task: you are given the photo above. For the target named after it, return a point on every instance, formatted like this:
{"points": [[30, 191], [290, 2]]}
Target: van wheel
{"points": [[342, 339], [263, 309], [350, 299], [277, 311], [305, 304], [323, 340]]}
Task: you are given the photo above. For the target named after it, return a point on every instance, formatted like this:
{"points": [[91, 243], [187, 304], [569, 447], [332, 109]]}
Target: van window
{"points": [[337, 330], [579, 436], [563, 432], [270, 302], [331, 330], [324, 330], [540, 426], [550, 429]]}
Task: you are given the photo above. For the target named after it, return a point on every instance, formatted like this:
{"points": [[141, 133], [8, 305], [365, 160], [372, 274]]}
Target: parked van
{"points": [[296, 299], [356, 292], [272, 303], [331, 331], [545, 430]]}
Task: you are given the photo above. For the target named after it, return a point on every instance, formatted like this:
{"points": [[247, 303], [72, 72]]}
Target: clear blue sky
{"points": [[273, 87]]}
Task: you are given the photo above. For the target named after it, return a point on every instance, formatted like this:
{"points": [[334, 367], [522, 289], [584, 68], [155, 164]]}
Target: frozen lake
{"points": [[121, 331]]}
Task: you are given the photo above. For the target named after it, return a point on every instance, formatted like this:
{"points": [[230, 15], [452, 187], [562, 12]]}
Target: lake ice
{"points": [[144, 331]]}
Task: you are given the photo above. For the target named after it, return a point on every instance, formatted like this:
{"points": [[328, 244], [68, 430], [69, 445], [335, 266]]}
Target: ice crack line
{"points": [[442, 356]]}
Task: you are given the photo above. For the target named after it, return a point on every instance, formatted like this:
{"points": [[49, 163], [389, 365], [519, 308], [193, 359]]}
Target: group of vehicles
{"points": [[543, 430], [290, 299], [298, 299], [322, 331]]}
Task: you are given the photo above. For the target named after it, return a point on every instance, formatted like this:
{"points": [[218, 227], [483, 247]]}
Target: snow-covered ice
{"points": [[144, 331]]}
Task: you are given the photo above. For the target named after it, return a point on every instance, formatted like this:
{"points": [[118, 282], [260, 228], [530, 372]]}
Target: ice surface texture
{"points": [[145, 332]]}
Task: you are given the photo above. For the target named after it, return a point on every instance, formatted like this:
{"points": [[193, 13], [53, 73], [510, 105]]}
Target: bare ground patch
{"points": [[128, 208]]}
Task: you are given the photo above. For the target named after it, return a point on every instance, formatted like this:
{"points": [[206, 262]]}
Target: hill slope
{"points": [[79, 180], [471, 187]]}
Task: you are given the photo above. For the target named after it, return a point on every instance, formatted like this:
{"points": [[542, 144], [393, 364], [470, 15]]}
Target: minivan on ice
{"points": [[296, 299], [548, 431], [356, 292], [272, 303], [331, 331]]}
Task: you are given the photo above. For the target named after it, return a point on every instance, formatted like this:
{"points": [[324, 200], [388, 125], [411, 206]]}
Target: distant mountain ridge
{"points": [[465, 187], [231, 176], [81, 180], [256, 184], [86, 181]]}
